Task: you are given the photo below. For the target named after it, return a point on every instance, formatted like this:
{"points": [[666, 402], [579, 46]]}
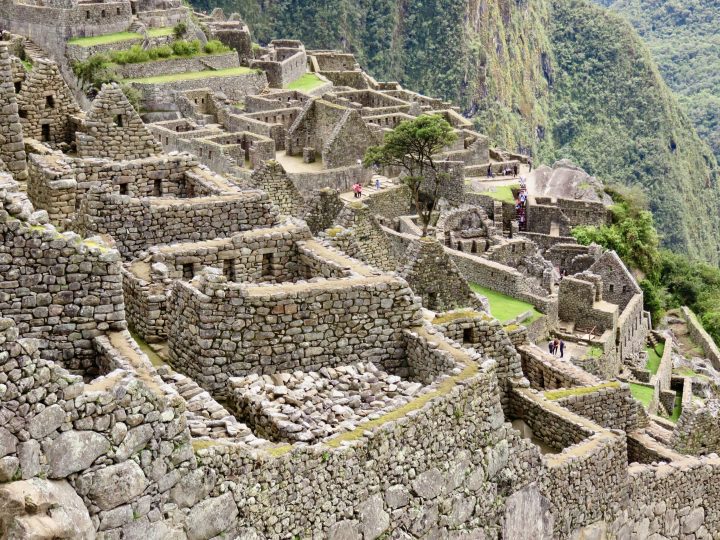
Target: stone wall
{"points": [[322, 209], [45, 100], [701, 337], [425, 260], [488, 337], [279, 72], [665, 498], [632, 329], [580, 301], [272, 179], [327, 322], [697, 431], [341, 178], [422, 476], [362, 237], [547, 372], [179, 65], [589, 452], [12, 150], [58, 183], [116, 443], [136, 224], [114, 130], [59, 289], [610, 405], [391, 202], [161, 96]]}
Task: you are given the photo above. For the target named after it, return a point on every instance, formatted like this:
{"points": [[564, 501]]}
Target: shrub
{"points": [[134, 55], [215, 46], [180, 29], [186, 48]]}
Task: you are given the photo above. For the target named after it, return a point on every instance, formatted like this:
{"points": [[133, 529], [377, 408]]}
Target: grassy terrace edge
{"points": [[194, 75], [118, 37]]}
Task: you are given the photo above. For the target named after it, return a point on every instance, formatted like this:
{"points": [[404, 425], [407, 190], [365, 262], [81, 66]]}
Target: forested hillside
{"points": [[684, 39], [560, 78]]}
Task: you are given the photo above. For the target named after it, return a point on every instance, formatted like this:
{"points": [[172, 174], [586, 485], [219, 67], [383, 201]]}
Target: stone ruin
{"points": [[203, 335]]}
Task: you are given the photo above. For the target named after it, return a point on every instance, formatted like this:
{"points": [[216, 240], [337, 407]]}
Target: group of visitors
{"points": [[557, 347], [521, 205], [357, 189]]}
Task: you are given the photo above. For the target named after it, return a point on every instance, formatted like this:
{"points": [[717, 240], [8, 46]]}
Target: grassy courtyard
{"points": [[501, 193], [106, 39], [643, 394], [306, 83], [654, 357], [505, 308], [194, 75]]}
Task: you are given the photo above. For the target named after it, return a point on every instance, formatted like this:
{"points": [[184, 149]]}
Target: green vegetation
{"points": [[654, 357], [154, 358], [684, 40], [502, 193], [462, 314], [163, 31], [594, 352], [642, 393], [230, 72], [503, 307], [578, 391], [669, 280], [101, 68], [411, 147], [179, 30], [306, 83], [613, 115], [104, 40]]}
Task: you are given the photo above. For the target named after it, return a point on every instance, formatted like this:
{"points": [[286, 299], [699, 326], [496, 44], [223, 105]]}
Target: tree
{"points": [[412, 146]]}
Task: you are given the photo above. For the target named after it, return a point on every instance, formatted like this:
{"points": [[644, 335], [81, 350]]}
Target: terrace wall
{"points": [[300, 326]]}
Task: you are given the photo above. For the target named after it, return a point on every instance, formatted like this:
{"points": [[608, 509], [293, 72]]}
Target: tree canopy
{"points": [[412, 146]]}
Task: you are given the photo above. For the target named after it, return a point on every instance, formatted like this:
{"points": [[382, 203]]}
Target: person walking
{"points": [[357, 188], [562, 348], [377, 184]]}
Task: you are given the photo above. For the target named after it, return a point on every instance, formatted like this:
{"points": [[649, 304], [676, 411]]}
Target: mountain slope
{"points": [[560, 78], [684, 40], [613, 115]]}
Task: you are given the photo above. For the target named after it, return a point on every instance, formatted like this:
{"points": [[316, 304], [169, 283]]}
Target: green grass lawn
{"points": [[229, 72], [160, 32], [503, 307], [654, 357], [106, 39], [119, 37], [643, 394], [502, 193], [306, 83]]}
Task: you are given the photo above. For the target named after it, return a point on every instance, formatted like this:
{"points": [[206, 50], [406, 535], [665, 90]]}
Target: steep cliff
{"points": [[560, 78], [684, 40]]}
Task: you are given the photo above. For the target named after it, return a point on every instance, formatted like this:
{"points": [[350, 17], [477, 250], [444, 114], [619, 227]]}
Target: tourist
{"points": [[489, 171], [556, 346], [530, 164], [357, 188], [377, 184], [515, 170], [562, 348], [551, 347]]}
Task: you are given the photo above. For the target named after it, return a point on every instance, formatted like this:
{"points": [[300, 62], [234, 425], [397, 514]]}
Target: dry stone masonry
{"points": [[204, 335]]}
